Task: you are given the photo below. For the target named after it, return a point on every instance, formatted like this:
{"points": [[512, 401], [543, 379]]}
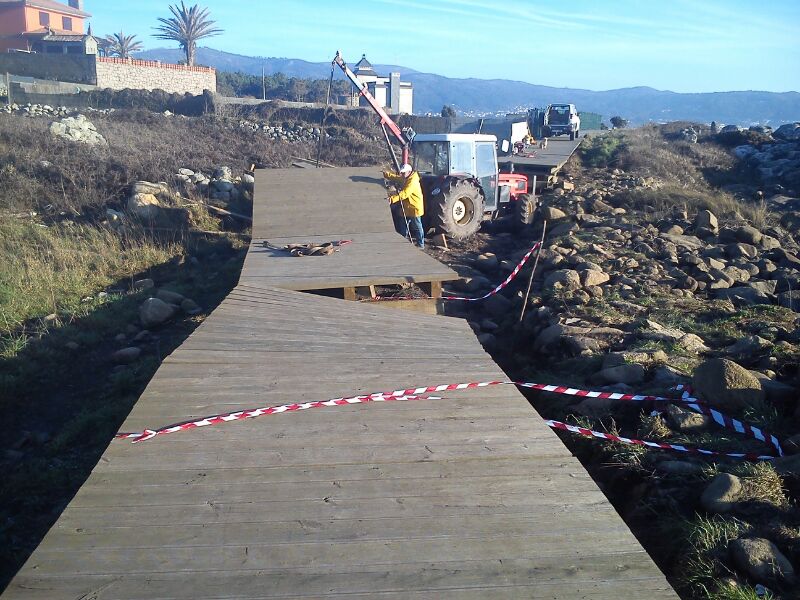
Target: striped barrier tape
{"points": [[658, 445], [505, 283], [728, 422], [149, 434], [421, 393], [508, 280]]}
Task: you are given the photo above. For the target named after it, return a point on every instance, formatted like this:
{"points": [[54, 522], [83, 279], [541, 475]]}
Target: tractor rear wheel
{"points": [[546, 131], [457, 210], [524, 209]]}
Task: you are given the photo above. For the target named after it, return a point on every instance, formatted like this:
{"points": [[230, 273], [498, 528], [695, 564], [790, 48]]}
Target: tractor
{"points": [[462, 186], [461, 183]]}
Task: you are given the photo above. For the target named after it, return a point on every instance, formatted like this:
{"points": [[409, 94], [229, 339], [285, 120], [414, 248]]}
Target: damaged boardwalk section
{"points": [[464, 497]]}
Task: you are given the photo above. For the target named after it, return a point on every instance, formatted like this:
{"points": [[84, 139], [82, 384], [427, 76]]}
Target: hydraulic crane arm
{"points": [[386, 121]]}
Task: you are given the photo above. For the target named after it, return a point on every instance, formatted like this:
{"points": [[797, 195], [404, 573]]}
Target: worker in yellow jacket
{"points": [[410, 196]]}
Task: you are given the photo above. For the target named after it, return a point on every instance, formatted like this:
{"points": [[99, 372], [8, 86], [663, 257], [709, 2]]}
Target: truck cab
{"points": [[560, 119]]}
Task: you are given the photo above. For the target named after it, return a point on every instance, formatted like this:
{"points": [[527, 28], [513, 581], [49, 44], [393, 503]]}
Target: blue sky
{"points": [[680, 45]]}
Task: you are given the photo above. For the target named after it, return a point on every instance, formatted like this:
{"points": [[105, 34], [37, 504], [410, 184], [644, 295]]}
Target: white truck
{"points": [[560, 119]]}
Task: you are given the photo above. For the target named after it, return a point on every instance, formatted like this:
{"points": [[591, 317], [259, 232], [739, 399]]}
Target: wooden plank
{"points": [[556, 577], [467, 496]]}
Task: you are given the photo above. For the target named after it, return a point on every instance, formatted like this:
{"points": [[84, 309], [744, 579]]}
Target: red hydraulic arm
{"points": [[386, 121]]}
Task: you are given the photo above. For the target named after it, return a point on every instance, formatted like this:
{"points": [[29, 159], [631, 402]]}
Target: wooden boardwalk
{"points": [[320, 205], [466, 497], [547, 162]]}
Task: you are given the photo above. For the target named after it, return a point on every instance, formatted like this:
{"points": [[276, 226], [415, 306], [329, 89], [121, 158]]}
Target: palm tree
{"points": [[119, 44], [186, 27]]}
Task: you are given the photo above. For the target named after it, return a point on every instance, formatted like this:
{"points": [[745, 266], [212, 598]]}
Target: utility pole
{"points": [[8, 89], [263, 84]]}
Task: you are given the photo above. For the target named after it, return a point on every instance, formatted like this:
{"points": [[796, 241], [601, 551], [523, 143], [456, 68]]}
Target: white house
{"points": [[396, 96]]}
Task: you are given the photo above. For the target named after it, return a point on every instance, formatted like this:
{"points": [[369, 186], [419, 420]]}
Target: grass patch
{"points": [[663, 201], [53, 270], [760, 481], [708, 539]]}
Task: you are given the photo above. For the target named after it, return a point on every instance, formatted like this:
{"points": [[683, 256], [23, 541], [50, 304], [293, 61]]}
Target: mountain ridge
{"points": [[639, 104]]}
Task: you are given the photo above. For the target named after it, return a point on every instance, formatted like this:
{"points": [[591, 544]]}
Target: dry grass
{"points": [[53, 176], [648, 151], [664, 200], [49, 270], [654, 427]]}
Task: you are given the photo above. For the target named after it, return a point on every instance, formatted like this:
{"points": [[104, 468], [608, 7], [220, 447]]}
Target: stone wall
{"points": [[120, 74], [78, 68]]}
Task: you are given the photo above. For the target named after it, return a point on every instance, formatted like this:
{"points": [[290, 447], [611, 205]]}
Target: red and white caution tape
{"points": [[508, 280], [421, 393], [728, 422], [658, 445], [148, 434]]}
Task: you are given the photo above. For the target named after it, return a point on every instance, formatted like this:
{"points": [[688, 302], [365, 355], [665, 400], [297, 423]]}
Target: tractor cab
{"points": [[443, 155]]}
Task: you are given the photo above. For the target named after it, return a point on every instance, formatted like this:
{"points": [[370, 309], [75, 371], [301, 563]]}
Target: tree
{"points": [[618, 122], [120, 45], [187, 26], [448, 111]]}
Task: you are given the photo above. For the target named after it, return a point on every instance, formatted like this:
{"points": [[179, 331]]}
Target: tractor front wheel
{"points": [[524, 209], [457, 210]]}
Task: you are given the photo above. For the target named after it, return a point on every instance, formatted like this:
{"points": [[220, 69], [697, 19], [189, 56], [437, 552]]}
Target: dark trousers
{"points": [[417, 232], [409, 224]]}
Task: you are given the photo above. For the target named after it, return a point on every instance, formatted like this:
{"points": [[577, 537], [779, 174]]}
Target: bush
{"points": [[740, 138], [600, 151], [155, 100], [618, 122]]}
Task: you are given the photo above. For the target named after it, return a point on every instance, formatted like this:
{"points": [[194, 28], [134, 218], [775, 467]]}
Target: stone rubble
{"points": [[77, 129]]}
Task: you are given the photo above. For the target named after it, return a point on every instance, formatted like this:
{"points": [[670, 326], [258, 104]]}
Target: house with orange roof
{"points": [[45, 27]]}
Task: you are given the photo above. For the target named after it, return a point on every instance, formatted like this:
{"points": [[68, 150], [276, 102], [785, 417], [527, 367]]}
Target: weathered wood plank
{"points": [[469, 496]]}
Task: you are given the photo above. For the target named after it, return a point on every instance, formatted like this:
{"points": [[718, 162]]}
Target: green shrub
{"points": [[600, 151]]}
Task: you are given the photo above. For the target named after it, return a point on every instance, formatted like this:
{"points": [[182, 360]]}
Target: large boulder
{"points": [[498, 306], [628, 373], [144, 206], [566, 280], [725, 384], [722, 494], [147, 208], [748, 235], [591, 277], [761, 560], [551, 213], [789, 131], [155, 312], [684, 420]]}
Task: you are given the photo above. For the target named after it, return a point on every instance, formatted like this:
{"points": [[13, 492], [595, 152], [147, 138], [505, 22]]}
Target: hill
{"points": [[489, 96]]}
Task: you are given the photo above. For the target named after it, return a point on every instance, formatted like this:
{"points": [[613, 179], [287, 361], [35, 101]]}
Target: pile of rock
{"points": [[778, 160], [690, 135], [77, 129], [221, 185], [163, 305], [150, 203], [160, 307], [285, 133]]}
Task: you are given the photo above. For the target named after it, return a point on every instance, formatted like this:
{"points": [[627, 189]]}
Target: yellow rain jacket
{"points": [[410, 195]]}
